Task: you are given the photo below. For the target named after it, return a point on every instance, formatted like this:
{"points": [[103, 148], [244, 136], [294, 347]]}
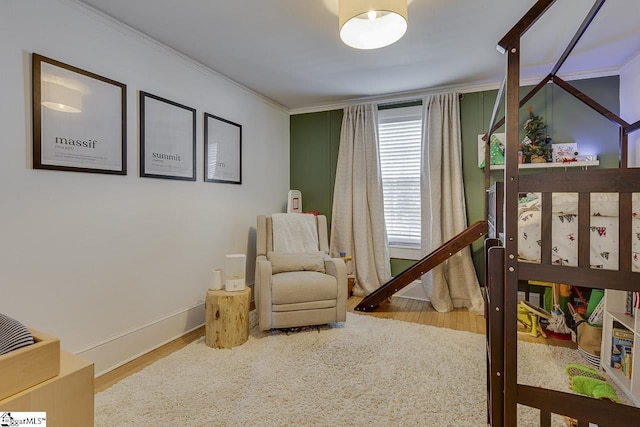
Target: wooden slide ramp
{"points": [[441, 254]]}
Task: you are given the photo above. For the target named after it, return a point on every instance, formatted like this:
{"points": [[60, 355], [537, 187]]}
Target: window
{"points": [[399, 133]]}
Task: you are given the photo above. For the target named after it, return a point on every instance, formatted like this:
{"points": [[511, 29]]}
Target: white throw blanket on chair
{"points": [[294, 232]]}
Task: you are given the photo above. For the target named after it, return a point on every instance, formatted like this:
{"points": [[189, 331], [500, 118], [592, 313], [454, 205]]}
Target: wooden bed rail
{"points": [[632, 128], [600, 412], [441, 254], [580, 276], [521, 27], [597, 181], [623, 182]]}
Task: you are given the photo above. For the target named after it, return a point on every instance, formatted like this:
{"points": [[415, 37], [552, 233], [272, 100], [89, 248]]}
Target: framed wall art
{"points": [[565, 151], [222, 150], [167, 139], [79, 119], [496, 149]]}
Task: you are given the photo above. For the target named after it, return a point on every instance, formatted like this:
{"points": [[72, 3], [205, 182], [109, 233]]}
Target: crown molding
{"points": [[591, 74], [397, 97], [462, 88], [629, 62], [149, 41]]}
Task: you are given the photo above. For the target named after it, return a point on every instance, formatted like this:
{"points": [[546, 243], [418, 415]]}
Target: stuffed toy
{"points": [[575, 370], [589, 382]]}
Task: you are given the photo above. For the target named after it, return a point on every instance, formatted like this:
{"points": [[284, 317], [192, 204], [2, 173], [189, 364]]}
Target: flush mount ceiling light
{"points": [[371, 24]]}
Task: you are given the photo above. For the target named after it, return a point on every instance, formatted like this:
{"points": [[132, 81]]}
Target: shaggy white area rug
{"points": [[365, 372]]}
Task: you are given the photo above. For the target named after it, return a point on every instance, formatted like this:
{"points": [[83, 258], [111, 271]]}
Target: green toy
{"points": [[496, 152], [593, 387], [577, 370]]}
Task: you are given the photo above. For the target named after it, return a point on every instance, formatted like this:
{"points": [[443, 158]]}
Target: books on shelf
{"points": [[628, 309], [622, 350], [597, 315], [632, 301]]}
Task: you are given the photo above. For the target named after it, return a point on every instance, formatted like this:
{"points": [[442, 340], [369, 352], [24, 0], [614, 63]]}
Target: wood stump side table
{"points": [[227, 318]]}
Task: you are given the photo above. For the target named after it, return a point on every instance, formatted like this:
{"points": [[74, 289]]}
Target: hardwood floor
{"points": [[422, 312], [105, 381], [397, 308]]}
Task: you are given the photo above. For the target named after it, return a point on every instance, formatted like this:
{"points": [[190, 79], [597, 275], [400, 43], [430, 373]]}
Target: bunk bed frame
{"points": [[503, 269]]}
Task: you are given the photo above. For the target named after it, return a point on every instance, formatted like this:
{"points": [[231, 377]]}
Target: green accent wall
{"points": [[398, 265], [315, 139]]}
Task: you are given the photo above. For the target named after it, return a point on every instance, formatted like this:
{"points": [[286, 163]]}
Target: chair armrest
{"points": [[263, 292], [337, 268]]}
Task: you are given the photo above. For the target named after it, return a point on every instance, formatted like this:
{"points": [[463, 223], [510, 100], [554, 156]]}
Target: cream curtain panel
{"points": [[453, 283], [357, 225]]}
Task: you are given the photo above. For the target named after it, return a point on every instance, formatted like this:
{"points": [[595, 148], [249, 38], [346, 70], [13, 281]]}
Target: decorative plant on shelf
{"points": [[536, 147]]}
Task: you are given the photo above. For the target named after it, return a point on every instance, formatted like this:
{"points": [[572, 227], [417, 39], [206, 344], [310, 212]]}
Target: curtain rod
{"points": [[415, 101]]}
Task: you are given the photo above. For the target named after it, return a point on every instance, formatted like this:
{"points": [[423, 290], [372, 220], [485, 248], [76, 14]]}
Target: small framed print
{"points": [[167, 139], [565, 151], [79, 119], [496, 149], [222, 150]]}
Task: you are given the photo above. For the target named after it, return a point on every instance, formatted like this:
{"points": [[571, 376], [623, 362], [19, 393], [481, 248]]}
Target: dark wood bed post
{"points": [[624, 148], [512, 109], [494, 317], [510, 45]]}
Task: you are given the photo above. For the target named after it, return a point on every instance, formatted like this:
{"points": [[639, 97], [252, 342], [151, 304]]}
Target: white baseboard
{"points": [[116, 351]]}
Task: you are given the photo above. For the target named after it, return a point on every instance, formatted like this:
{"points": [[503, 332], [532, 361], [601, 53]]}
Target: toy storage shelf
{"points": [[615, 302]]}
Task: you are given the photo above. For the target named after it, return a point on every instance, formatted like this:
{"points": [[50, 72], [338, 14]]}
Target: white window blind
{"points": [[399, 133]]}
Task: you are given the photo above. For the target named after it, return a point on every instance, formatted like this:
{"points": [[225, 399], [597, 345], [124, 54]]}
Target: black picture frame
{"points": [[167, 139], [79, 119], [222, 150]]}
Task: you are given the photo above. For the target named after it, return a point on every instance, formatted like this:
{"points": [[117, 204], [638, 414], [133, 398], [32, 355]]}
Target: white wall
{"points": [[630, 104], [117, 265]]}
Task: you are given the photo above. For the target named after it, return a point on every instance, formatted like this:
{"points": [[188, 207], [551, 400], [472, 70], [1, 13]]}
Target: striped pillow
{"points": [[13, 335]]}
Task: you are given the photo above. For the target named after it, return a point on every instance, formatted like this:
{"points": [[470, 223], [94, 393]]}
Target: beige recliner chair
{"points": [[297, 284]]}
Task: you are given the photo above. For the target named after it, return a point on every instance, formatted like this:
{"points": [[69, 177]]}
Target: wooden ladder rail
{"points": [[441, 254]]}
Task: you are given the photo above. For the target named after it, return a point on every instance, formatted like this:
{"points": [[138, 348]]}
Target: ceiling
{"points": [[290, 51]]}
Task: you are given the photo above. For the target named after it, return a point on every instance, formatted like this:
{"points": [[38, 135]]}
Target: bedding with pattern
{"points": [[564, 223]]}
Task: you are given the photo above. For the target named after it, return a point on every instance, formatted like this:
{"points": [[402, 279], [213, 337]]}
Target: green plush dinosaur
{"points": [[575, 369], [593, 387]]}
